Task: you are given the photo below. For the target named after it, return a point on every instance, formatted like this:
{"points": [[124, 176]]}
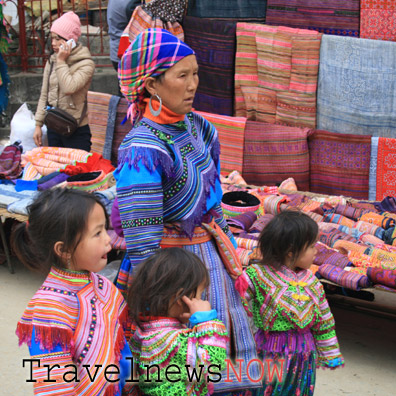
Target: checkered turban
{"points": [[151, 53]]}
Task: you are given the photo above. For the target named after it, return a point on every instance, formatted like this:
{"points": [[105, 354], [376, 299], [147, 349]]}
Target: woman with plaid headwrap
{"points": [[168, 187]]}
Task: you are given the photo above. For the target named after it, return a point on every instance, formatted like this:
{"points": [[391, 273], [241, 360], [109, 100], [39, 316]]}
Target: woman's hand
{"points": [[64, 51], [38, 136]]}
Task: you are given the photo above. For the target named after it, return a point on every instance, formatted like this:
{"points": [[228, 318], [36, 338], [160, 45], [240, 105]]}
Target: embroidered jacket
{"points": [[75, 318], [286, 300], [182, 360], [167, 173]]}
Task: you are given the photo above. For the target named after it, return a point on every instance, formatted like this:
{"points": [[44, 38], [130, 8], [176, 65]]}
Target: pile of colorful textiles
{"points": [[353, 250]]}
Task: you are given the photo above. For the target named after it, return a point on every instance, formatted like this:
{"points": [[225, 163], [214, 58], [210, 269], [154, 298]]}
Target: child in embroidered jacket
{"points": [[296, 330], [170, 358], [74, 324]]}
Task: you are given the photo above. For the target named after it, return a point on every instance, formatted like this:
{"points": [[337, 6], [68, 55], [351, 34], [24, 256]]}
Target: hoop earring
{"points": [[155, 113]]}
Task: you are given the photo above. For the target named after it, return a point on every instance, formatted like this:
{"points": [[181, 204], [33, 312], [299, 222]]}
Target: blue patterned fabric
{"points": [[167, 173], [356, 86], [373, 169]]}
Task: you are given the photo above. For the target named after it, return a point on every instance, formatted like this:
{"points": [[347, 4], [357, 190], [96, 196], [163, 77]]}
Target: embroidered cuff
{"points": [[203, 316]]}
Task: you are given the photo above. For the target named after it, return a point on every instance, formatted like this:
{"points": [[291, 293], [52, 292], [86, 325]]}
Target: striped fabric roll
{"points": [[344, 278], [276, 71], [379, 220], [377, 19], [350, 211], [349, 246], [329, 237], [382, 276], [272, 204], [340, 17], [338, 219], [46, 160], [334, 155], [243, 220], [369, 239], [370, 228], [231, 132], [244, 256], [246, 243], [326, 255], [382, 255]]}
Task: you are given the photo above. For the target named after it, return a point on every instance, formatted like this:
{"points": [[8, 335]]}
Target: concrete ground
{"points": [[368, 343]]}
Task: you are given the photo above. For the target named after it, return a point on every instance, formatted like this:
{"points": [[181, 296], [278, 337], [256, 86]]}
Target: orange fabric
{"points": [[165, 117]]}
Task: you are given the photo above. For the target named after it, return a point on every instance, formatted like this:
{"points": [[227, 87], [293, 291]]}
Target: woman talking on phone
{"points": [[66, 80]]}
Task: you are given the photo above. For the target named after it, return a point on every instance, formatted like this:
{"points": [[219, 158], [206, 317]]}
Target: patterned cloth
{"points": [[75, 318], [373, 169], [344, 278], [382, 276], [332, 156], [302, 337], [386, 174], [379, 220], [166, 342], [121, 128], [152, 53], [214, 44], [45, 160], [273, 153], [231, 132], [326, 255], [330, 17], [378, 19], [276, 72], [231, 9], [10, 161], [101, 118], [346, 62]]}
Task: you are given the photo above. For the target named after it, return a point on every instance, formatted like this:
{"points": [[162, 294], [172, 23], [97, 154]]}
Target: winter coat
{"points": [[73, 77]]}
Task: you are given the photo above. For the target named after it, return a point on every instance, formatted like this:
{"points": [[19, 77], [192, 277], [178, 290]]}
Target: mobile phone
{"points": [[70, 42]]}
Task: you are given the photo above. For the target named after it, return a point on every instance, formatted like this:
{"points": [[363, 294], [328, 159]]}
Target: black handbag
{"points": [[58, 120]]}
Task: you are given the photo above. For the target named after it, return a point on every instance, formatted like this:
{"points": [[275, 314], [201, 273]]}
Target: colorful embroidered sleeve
{"points": [[329, 354], [209, 340], [140, 201]]}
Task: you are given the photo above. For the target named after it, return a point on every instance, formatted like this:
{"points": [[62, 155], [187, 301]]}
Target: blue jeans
{"points": [[81, 139]]}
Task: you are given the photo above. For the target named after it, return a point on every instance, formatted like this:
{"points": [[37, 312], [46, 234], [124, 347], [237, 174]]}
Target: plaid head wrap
{"points": [[151, 53]]}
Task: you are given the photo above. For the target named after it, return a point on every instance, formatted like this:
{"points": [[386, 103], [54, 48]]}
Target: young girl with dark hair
{"points": [[166, 293], [73, 325], [296, 330]]}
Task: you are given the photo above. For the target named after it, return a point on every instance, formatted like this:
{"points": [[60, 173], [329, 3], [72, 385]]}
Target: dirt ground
{"points": [[368, 343]]}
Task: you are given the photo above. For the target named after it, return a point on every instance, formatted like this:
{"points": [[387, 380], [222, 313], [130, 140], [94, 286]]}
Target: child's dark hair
{"points": [[167, 273], [290, 231], [58, 214]]}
